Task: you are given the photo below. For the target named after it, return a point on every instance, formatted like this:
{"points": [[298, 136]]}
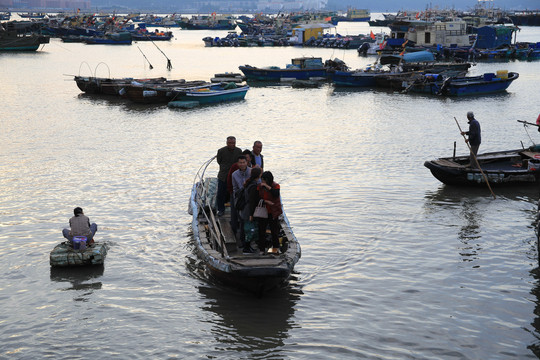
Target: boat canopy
{"points": [[413, 57]]}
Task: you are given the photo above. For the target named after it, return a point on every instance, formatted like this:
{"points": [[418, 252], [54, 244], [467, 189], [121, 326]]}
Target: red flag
{"points": [[372, 35], [538, 120]]}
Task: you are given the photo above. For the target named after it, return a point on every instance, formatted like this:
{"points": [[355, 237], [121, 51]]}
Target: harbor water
{"points": [[395, 265]]}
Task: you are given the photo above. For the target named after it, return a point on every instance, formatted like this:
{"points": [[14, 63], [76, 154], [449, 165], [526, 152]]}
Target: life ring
{"points": [[536, 156]]}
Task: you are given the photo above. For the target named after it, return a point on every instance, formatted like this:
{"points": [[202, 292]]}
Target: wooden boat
{"points": [[464, 86], [158, 93], [152, 36], [111, 86], [356, 78], [300, 68], [210, 94], [106, 41], [64, 255], [31, 15], [11, 39], [216, 244], [521, 166]]}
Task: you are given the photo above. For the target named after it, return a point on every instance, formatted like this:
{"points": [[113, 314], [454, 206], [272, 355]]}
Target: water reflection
{"points": [[469, 206], [80, 279], [447, 195], [116, 101], [244, 322], [535, 291]]}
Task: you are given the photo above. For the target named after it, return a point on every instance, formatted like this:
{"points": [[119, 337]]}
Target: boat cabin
{"points": [[428, 33], [307, 63]]}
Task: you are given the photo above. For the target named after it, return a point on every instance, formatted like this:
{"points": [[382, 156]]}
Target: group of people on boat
{"points": [[254, 196]]}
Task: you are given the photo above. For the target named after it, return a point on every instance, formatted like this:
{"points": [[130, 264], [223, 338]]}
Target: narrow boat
{"points": [[300, 68], [111, 86], [217, 248], [64, 255], [488, 83], [521, 166], [158, 93], [152, 36], [356, 78], [210, 94]]}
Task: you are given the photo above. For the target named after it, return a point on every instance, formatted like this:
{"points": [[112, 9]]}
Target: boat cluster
{"points": [[175, 93]]}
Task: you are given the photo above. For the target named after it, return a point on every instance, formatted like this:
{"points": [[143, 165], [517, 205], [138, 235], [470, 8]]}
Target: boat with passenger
{"points": [[67, 254], [217, 248], [510, 167]]}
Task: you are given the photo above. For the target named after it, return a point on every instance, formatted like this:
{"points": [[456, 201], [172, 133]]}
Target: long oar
{"points": [[475, 159], [151, 67]]}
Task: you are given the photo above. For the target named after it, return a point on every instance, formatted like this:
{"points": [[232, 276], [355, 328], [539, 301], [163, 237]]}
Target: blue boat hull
{"points": [[262, 74], [213, 95], [349, 78], [467, 86]]}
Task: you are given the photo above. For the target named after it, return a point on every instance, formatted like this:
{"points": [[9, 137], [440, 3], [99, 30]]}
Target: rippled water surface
{"points": [[395, 265]]}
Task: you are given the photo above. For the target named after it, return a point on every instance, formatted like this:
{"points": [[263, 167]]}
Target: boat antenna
{"points": [[150, 65], [475, 159], [169, 65]]}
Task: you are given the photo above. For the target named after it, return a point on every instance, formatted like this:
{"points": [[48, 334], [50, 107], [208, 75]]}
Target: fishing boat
{"points": [[300, 68], [353, 15], [123, 38], [210, 94], [355, 78], [488, 83], [152, 36], [32, 15], [521, 166], [64, 255], [216, 245], [160, 93], [112, 86], [12, 39], [208, 22]]}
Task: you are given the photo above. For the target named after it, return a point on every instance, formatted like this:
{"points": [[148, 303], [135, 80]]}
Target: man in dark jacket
{"points": [[226, 156], [475, 138]]}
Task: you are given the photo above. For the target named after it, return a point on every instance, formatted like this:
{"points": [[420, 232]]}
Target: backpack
{"points": [[240, 199]]}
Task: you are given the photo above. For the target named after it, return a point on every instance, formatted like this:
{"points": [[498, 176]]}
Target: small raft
{"points": [[64, 255]]}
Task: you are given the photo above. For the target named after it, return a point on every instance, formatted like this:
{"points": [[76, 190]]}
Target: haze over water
{"points": [[395, 265]]}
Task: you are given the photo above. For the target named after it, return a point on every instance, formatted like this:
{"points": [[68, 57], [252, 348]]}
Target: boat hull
{"points": [[514, 167], [252, 272], [348, 78], [263, 74], [214, 96]]}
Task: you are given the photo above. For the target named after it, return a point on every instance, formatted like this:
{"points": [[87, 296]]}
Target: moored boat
{"points": [[209, 94], [13, 39], [158, 93], [111, 86], [488, 83], [217, 248], [521, 166], [300, 68]]}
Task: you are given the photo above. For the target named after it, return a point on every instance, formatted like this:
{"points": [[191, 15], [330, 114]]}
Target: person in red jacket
{"points": [[269, 192]]}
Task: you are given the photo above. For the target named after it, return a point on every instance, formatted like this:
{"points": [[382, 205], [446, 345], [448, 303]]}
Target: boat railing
{"points": [[201, 197]]}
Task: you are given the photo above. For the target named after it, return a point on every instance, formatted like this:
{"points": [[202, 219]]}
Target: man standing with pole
{"points": [[474, 140]]}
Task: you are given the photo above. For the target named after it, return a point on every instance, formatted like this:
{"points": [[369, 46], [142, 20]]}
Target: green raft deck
{"points": [[64, 255]]}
